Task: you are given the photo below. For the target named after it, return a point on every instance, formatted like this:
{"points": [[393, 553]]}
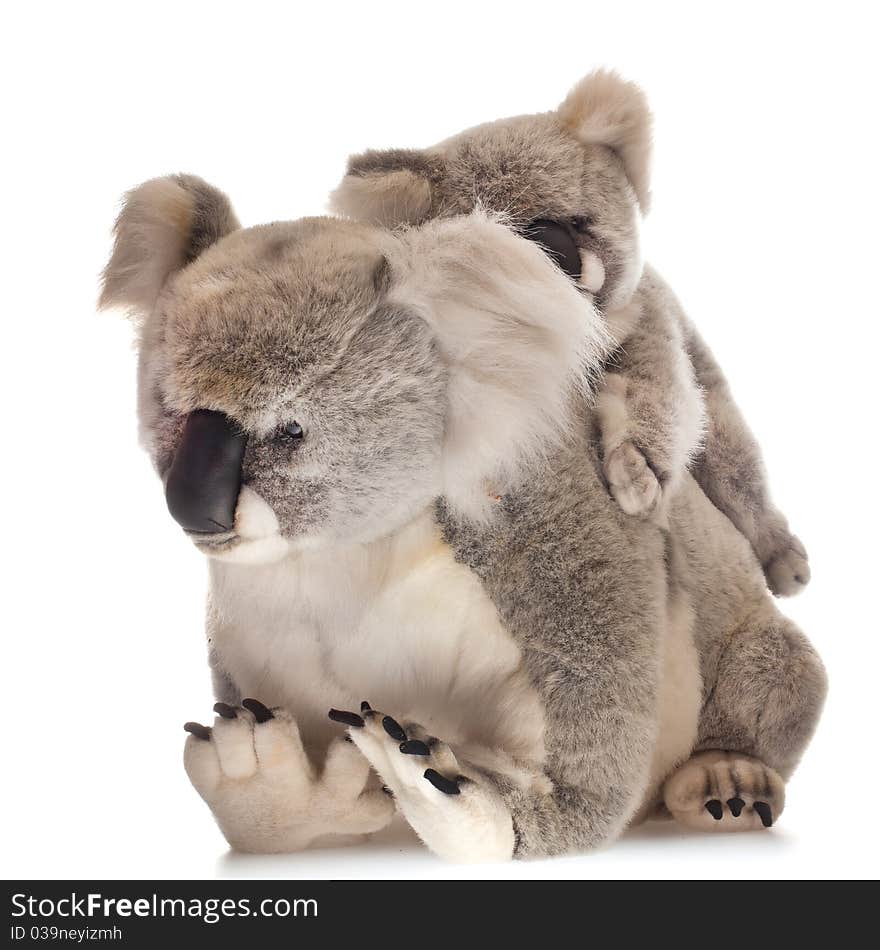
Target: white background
{"points": [[765, 221]]}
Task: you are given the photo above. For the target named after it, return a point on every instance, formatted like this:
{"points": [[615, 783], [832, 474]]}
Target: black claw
{"points": [[387, 791], [225, 710], [766, 815], [365, 706], [198, 730], [414, 747], [261, 713], [715, 809], [447, 785], [736, 806], [349, 718], [394, 729], [348, 739]]}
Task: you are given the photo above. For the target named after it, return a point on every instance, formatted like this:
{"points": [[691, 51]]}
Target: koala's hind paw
{"points": [[632, 482], [454, 809], [787, 570], [724, 791], [251, 769]]}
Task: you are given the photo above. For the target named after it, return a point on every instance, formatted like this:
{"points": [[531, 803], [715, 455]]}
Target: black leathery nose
{"points": [[203, 482], [558, 243]]}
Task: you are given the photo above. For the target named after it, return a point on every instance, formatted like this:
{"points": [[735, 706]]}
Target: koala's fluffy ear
{"points": [[604, 109], [165, 223], [518, 338], [387, 188]]}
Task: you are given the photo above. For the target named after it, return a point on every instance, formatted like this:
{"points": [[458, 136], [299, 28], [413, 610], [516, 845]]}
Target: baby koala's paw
{"points": [[632, 482], [787, 570], [454, 809]]}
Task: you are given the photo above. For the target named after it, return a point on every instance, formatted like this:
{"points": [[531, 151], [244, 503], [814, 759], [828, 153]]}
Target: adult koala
{"points": [[380, 441]]}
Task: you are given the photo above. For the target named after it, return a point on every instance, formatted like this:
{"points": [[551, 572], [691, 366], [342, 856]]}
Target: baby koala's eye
{"points": [[292, 432], [582, 223], [557, 241]]}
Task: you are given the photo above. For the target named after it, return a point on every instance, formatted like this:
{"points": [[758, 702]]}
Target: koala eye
{"points": [[292, 432], [557, 241]]}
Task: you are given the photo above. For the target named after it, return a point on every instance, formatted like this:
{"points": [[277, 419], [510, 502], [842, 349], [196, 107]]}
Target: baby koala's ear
{"points": [[165, 223], [388, 188], [605, 109]]}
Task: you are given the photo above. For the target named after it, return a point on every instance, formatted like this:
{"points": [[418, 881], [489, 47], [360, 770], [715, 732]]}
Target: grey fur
{"points": [[300, 320], [583, 589], [559, 547], [212, 216], [218, 338], [590, 159], [165, 224]]}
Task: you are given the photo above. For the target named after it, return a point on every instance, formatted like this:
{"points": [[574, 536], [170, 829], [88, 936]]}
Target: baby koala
{"points": [[576, 180], [655, 419], [651, 413]]}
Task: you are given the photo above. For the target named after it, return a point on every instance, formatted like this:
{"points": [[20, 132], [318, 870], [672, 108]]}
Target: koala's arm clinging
{"points": [[650, 409], [665, 405], [730, 470]]}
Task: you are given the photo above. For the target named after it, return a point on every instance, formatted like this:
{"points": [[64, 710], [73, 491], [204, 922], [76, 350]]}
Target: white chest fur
{"points": [[398, 622]]}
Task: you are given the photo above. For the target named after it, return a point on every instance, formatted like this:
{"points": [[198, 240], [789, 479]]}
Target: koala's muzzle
{"points": [[204, 479]]}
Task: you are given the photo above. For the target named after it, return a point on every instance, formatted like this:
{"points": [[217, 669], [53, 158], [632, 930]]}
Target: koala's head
{"points": [[318, 381], [575, 180]]}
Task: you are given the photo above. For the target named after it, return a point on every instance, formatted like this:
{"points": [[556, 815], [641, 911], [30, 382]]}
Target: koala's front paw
{"points": [[254, 774], [632, 482], [787, 570], [456, 811]]}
